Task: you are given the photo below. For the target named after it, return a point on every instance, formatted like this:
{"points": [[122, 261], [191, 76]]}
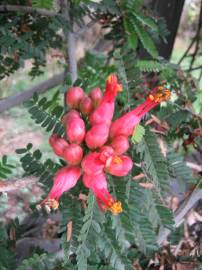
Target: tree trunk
{"points": [[171, 11]]}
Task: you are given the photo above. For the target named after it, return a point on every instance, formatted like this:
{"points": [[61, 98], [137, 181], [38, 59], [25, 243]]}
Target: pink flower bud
{"points": [[97, 136], [120, 144], [96, 96], [73, 97], [106, 152], [58, 144], [75, 130], [65, 179], [91, 164], [73, 154], [69, 115], [86, 106]]}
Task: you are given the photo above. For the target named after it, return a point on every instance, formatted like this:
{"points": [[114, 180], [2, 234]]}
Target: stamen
{"points": [[160, 94], [110, 78], [116, 207], [117, 160], [52, 203], [119, 88]]}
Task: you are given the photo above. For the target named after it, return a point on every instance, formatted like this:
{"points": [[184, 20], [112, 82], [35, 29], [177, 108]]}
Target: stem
{"points": [[19, 98], [70, 43], [16, 184], [27, 9]]}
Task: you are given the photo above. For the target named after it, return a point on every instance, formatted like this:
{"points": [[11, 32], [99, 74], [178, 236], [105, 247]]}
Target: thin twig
{"points": [[197, 38], [193, 68], [19, 98], [180, 213], [11, 185], [70, 43], [85, 28], [27, 9], [187, 50], [188, 110]]}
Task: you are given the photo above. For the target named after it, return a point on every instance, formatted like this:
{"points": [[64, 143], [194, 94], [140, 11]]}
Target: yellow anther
{"points": [[151, 97], [161, 94], [119, 88], [117, 160], [116, 208], [110, 78]]}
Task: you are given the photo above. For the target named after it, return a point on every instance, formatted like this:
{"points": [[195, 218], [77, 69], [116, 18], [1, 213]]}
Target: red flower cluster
{"points": [[106, 141]]}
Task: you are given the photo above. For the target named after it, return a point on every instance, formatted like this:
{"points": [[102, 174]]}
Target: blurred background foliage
{"points": [[125, 37]]}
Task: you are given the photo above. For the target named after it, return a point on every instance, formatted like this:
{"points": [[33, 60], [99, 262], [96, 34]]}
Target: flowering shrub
{"points": [[104, 143]]}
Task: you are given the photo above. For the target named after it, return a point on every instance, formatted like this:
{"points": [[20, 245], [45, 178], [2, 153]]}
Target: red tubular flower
{"points": [[86, 105], [98, 184], [97, 136], [106, 152], [65, 179], [70, 115], [104, 112], [96, 96], [73, 97], [73, 154], [91, 164], [58, 144], [118, 165], [120, 144], [126, 124], [75, 130]]}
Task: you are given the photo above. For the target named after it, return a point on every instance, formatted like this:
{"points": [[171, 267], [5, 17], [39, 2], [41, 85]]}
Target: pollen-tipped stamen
{"points": [[117, 160], [115, 207], [160, 94], [106, 202], [51, 203]]}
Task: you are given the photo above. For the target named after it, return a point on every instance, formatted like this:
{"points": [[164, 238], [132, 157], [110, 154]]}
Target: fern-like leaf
{"points": [[153, 162], [46, 113]]}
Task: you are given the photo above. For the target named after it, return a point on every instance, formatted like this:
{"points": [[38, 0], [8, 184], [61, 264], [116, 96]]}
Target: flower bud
{"points": [[65, 179], [73, 97], [105, 152], [120, 144], [86, 106], [75, 130], [96, 96], [73, 154], [58, 144], [69, 115], [97, 136]]}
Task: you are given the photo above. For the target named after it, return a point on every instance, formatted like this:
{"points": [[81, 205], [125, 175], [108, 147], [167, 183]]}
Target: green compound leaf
{"points": [[138, 134]]}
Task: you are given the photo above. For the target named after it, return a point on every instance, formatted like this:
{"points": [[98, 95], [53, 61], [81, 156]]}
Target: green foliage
{"points": [[47, 113], [71, 212], [5, 168], [42, 3], [129, 74], [37, 262], [178, 168], [138, 134], [90, 239], [25, 37], [7, 257], [153, 162], [90, 226], [32, 164], [151, 65], [135, 22], [93, 72]]}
